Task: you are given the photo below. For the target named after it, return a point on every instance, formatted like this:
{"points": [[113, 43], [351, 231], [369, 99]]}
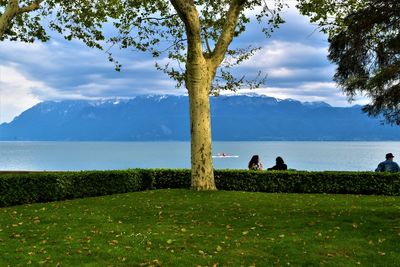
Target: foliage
{"points": [[156, 27], [330, 182], [73, 19], [31, 187], [179, 228], [364, 39]]}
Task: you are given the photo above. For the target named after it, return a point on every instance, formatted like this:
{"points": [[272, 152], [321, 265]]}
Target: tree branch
{"points": [[12, 9], [9, 13], [31, 7], [228, 31], [187, 12], [206, 41]]}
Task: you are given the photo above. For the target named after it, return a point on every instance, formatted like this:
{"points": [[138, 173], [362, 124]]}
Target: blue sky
{"points": [[294, 59]]}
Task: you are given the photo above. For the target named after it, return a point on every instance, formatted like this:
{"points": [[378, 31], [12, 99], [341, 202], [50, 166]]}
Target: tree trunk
{"points": [[200, 71], [199, 77]]}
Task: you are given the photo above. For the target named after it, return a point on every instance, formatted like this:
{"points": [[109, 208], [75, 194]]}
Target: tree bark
{"points": [[199, 78]]}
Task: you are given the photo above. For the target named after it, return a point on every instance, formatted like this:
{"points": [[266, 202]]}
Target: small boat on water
{"points": [[223, 155], [230, 156]]}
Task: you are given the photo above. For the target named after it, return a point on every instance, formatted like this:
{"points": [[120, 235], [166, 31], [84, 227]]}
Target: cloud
{"points": [[306, 92], [16, 93], [288, 54]]}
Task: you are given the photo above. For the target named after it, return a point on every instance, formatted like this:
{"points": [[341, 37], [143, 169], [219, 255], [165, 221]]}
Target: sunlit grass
{"points": [[186, 228]]}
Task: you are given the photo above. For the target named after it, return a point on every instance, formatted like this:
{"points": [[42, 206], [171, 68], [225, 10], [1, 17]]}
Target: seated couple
{"points": [[255, 164]]}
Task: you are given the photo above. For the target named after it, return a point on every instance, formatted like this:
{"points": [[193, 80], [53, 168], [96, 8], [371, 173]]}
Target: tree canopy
{"points": [[364, 42], [30, 20], [161, 28]]}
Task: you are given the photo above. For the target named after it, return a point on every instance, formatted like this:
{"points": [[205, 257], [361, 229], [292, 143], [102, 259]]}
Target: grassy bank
{"points": [[185, 228]]}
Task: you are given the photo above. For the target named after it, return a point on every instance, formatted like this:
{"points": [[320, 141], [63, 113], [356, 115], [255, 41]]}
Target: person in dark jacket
{"points": [[388, 165], [279, 166]]}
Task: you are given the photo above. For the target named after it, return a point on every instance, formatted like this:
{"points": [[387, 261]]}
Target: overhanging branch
{"points": [[31, 7], [228, 31]]}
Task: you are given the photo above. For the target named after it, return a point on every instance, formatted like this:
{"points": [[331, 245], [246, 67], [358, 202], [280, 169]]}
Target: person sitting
{"points": [[279, 166], [388, 165], [255, 164]]}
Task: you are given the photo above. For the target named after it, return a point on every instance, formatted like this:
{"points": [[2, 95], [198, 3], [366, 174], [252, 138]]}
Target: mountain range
{"points": [[166, 117]]}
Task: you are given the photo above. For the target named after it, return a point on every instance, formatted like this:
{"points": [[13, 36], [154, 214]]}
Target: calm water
{"points": [[355, 156]]}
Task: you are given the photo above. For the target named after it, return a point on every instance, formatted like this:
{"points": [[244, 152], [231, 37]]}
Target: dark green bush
{"points": [[170, 178], [30, 187], [309, 182]]}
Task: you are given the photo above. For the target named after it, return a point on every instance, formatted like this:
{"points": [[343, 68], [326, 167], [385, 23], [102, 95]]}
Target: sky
{"points": [[294, 60]]}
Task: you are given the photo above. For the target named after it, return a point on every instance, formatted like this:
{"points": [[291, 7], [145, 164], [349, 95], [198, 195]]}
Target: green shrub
{"points": [[30, 187], [170, 178], [309, 182], [98, 183]]}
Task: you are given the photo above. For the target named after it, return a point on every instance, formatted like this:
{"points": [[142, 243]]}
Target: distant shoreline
{"points": [[183, 141]]}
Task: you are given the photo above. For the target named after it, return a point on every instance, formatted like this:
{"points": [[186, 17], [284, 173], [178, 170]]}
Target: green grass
{"points": [[186, 228]]}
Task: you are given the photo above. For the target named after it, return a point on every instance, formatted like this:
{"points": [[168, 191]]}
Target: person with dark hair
{"points": [[255, 164], [279, 166], [388, 165]]}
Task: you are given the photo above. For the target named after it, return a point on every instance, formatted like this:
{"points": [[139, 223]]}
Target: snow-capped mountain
{"points": [[166, 117]]}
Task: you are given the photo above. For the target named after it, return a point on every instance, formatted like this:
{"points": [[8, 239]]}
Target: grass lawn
{"points": [[185, 228]]}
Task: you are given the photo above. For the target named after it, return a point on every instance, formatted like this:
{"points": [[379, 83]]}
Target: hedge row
{"points": [[365, 183], [30, 187]]}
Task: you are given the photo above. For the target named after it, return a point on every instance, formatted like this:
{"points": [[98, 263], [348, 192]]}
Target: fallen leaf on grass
{"points": [[113, 242]]}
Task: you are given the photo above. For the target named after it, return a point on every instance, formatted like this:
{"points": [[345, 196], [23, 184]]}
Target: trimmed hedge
{"points": [[30, 187], [330, 182]]}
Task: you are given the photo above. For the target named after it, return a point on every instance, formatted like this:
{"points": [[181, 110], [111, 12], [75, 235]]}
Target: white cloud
{"points": [[36, 54], [16, 93], [101, 88], [149, 64], [313, 91], [285, 54]]}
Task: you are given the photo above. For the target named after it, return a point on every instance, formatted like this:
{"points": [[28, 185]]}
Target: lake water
{"points": [[346, 156]]}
